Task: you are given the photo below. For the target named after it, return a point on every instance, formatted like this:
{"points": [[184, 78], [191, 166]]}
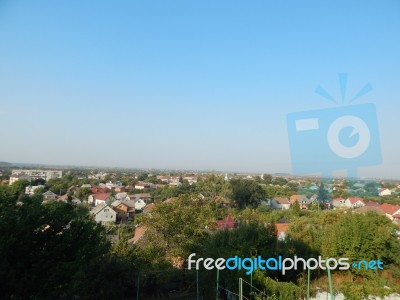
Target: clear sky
{"points": [[188, 84]]}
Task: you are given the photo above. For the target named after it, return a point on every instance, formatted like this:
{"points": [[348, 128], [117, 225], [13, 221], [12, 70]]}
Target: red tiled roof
{"points": [[149, 207], [354, 200], [281, 228], [139, 232], [389, 209], [282, 200], [99, 190], [227, 223], [102, 196], [294, 198]]}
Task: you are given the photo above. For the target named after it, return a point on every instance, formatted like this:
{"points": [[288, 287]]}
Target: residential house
{"points": [[144, 196], [16, 177], [30, 190], [49, 195], [227, 223], [139, 204], [384, 192], [97, 199], [390, 210], [139, 233], [124, 211], [354, 202], [302, 200], [148, 208], [104, 214], [163, 178], [76, 201], [281, 229], [338, 203], [121, 195], [174, 179], [119, 189], [191, 179], [144, 185], [100, 190], [280, 203]]}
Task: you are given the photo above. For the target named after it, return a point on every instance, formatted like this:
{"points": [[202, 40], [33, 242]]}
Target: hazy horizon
{"points": [[188, 85]]}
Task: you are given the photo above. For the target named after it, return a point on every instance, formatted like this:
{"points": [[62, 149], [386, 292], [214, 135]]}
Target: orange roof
{"points": [[354, 200], [102, 196], [281, 228], [389, 209], [281, 200], [149, 207], [139, 232], [295, 197], [227, 223]]}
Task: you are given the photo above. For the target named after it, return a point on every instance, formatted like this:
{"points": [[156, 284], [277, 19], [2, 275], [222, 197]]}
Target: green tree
{"points": [[212, 186], [55, 251], [247, 192], [83, 193], [178, 227], [18, 187]]}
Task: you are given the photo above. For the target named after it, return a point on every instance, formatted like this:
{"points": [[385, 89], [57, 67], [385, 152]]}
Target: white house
{"points": [[280, 203], [102, 198], [354, 202], [30, 190], [144, 185], [139, 204], [121, 196], [338, 203], [16, 177], [384, 192], [49, 195], [103, 214]]}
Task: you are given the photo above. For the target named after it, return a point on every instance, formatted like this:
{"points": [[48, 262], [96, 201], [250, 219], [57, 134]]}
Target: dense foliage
{"points": [[55, 251]]}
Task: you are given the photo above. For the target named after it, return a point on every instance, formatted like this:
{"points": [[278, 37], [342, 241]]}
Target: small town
{"points": [[199, 150], [155, 217]]}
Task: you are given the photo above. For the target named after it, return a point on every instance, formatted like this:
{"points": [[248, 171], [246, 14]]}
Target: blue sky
{"points": [[188, 84]]}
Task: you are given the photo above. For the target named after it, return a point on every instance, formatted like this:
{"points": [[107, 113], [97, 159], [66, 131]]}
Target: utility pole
{"points": [[330, 283], [216, 295], [197, 285], [240, 288], [251, 285], [308, 284]]}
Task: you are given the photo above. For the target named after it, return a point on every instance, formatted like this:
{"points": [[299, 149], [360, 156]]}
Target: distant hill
{"points": [[5, 164]]}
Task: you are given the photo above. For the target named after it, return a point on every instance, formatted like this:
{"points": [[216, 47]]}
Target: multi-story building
{"points": [[37, 174]]}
